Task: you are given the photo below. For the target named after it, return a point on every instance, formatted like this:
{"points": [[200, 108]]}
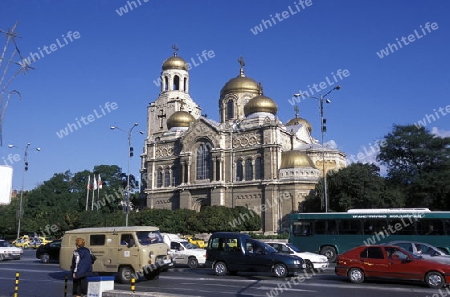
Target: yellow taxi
{"points": [[197, 241], [38, 241], [23, 242]]}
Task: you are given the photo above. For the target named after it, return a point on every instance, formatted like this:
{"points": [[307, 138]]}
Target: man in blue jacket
{"points": [[81, 268]]}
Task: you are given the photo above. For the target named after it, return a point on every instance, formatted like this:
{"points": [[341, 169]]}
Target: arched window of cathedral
{"points": [[248, 169], [259, 170], [204, 161], [218, 169], [230, 109], [185, 84], [159, 178], [176, 83], [166, 83], [175, 176], [239, 170], [167, 178]]}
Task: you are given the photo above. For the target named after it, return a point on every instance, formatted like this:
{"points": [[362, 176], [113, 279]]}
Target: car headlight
{"points": [[298, 262]]}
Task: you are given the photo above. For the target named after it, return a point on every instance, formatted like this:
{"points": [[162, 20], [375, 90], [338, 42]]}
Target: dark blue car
{"points": [[231, 252]]}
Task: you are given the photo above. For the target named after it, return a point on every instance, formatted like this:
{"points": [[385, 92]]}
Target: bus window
{"points": [[325, 227], [400, 227], [430, 227], [349, 227], [372, 226], [301, 229], [446, 227]]}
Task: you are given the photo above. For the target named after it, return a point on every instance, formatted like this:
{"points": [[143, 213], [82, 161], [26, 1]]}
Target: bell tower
{"points": [[173, 94]]}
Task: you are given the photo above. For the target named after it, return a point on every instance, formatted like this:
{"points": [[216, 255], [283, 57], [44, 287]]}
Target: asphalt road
{"points": [[47, 280]]}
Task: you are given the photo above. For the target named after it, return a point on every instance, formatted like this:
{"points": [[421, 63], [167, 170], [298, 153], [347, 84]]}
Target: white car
{"points": [[8, 251], [312, 260], [185, 253], [427, 251]]}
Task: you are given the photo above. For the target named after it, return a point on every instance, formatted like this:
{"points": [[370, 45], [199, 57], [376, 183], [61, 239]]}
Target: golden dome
{"points": [[241, 84], [174, 63], [260, 103], [180, 119], [299, 121], [293, 159]]}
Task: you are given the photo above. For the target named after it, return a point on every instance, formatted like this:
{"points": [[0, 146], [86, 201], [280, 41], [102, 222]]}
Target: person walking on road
{"points": [[81, 268]]}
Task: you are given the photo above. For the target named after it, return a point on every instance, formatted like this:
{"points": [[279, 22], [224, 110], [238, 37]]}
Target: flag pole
{"points": [[93, 195], [99, 181], [87, 192]]}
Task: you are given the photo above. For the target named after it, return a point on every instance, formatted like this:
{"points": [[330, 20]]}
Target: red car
{"points": [[390, 262]]}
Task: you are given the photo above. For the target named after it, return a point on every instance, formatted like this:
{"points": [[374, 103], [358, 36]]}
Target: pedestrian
{"points": [[81, 268]]}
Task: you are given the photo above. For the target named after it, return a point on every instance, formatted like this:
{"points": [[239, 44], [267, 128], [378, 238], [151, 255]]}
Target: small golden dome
{"points": [[174, 63], [299, 121], [241, 84], [260, 103], [293, 159], [180, 119]]}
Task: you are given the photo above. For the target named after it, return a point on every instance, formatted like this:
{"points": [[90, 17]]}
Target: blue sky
{"points": [[116, 57]]}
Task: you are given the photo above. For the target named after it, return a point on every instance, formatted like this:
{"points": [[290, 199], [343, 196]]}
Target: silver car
{"points": [[427, 251]]}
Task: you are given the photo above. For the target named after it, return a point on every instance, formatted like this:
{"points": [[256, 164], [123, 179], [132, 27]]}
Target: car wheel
{"points": [[152, 275], [356, 275], [309, 265], [280, 270], [329, 252], [192, 262], [45, 258], [434, 280], [125, 274], [164, 269], [220, 269]]}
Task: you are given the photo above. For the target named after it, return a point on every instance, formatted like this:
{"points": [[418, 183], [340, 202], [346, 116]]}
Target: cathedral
{"points": [[249, 158]]}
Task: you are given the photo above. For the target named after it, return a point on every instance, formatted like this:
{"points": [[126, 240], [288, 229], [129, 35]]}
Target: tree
{"points": [[418, 164], [356, 186]]}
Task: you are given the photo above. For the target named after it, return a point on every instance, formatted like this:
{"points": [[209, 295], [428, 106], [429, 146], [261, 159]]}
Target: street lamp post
{"points": [[25, 169], [131, 151], [323, 129]]}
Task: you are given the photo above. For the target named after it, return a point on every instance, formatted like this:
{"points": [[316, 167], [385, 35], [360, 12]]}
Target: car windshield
{"points": [[294, 248], [189, 245], [4, 243], [149, 237]]}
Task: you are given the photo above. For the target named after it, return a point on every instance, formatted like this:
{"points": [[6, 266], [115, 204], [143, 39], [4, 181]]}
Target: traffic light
{"points": [[324, 125], [26, 166], [131, 151]]}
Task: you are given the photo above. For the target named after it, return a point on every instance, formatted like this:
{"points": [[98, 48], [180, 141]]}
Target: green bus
{"points": [[333, 233]]}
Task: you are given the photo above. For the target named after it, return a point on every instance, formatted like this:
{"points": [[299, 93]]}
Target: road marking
{"points": [[414, 287], [283, 289]]}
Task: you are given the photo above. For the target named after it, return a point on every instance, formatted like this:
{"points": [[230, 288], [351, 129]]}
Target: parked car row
{"points": [[26, 242]]}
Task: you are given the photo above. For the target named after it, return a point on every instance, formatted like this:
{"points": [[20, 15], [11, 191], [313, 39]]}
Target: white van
{"points": [[129, 251]]}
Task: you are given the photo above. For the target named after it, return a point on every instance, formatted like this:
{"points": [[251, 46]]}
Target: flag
{"points": [[89, 183], [100, 185], [95, 183]]}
